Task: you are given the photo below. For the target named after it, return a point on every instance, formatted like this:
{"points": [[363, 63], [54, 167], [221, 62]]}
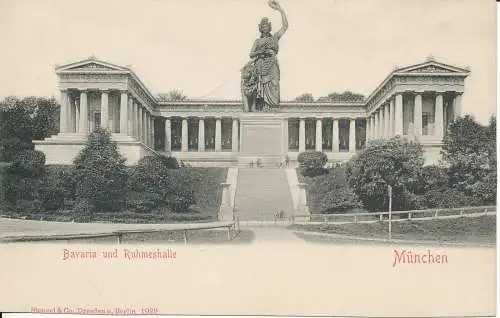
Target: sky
{"points": [[199, 46]]}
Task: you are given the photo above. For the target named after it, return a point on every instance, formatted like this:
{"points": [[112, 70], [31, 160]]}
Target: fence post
{"points": [[229, 233], [355, 219], [461, 211], [436, 214], [325, 219], [185, 237], [409, 215], [119, 238], [381, 216]]}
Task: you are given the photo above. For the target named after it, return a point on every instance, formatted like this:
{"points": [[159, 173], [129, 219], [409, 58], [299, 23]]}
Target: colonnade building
{"points": [[416, 102]]}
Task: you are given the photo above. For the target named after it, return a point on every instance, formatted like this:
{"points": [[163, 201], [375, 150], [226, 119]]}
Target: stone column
{"points": [[457, 105], [234, 136], [184, 143], [148, 128], [77, 115], [123, 112], [302, 134], [148, 132], [168, 135], [398, 115], [84, 113], [352, 135], [130, 116], [152, 140], [138, 118], [417, 120], [439, 116], [63, 115], [218, 134], [376, 132], [139, 122], [134, 117], [201, 134], [335, 135], [104, 109], [387, 123], [381, 121], [372, 130], [368, 127], [144, 127], [72, 115], [319, 134], [392, 118]]}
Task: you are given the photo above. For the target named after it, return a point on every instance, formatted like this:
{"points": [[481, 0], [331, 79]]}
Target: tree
{"points": [[173, 95], [100, 173], [396, 162], [45, 116], [469, 151], [22, 176], [312, 163], [306, 97], [346, 96], [15, 129], [23, 120]]}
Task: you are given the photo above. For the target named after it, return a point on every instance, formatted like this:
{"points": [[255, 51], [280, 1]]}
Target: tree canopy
{"points": [[174, 95], [346, 96], [306, 97], [23, 120], [396, 162], [469, 152], [100, 172]]}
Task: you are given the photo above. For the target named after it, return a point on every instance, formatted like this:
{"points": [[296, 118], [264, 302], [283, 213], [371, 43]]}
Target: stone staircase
{"points": [[260, 193]]}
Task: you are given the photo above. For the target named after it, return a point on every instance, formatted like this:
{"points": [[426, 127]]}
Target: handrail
{"points": [[81, 234], [479, 208]]}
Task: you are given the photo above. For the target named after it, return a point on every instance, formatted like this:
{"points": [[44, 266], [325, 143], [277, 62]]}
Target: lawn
{"points": [[480, 229], [208, 189]]}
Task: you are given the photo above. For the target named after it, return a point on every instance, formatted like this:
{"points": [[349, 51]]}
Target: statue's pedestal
{"points": [[262, 136]]}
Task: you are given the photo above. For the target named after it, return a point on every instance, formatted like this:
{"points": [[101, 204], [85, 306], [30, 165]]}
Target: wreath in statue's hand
{"points": [[274, 5]]}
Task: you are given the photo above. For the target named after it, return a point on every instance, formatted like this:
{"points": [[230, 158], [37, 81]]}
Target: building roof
{"points": [[430, 67]]}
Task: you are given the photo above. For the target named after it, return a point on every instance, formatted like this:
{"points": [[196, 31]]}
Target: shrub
{"points": [[83, 211], [142, 202], [164, 186], [100, 173], [312, 163], [29, 207], [330, 193], [169, 162], [395, 162], [449, 198], [57, 187]]}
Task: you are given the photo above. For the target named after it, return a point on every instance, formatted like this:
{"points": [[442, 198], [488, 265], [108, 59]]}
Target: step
{"points": [[261, 192]]}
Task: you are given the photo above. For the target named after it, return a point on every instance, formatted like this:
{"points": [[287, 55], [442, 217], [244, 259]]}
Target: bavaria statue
{"points": [[260, 77]]}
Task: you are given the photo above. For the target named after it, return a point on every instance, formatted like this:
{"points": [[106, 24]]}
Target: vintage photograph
{"points": [[295, 145]]}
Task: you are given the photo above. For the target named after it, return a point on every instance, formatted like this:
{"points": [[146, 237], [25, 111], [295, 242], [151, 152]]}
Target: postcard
{"points": [[265, 157]]}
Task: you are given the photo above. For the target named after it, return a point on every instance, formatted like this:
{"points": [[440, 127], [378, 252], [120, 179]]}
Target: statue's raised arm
{"points": [[284, 21]]}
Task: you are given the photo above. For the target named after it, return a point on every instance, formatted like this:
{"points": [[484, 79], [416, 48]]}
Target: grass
{"points": [[480, 229], [208, 189]]}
